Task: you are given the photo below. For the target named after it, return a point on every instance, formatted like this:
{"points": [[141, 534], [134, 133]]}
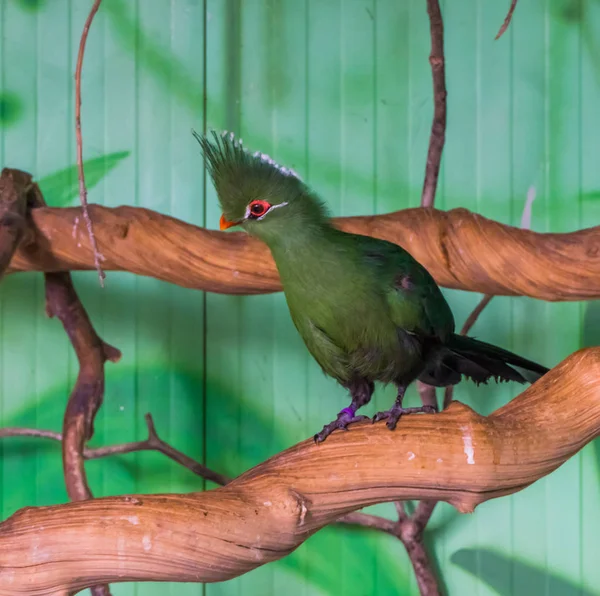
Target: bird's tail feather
{"points": [[480, 362]]}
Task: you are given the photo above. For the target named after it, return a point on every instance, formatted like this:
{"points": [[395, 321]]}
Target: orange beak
{"points": [[224, 223]]}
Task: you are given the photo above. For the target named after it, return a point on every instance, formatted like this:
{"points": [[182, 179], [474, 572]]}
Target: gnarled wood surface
{"points": [[263, 515], [461, 250]]}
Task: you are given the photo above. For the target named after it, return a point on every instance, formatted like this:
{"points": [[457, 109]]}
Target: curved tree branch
{"points": [[86, 398], [455, 456], [460, 249], [15, 196]]}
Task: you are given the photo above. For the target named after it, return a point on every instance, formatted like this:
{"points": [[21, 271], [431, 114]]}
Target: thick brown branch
{"points": [[460, 249], [455, 456], [79, 140], [15, 195], [507, 20], [438, 127], [62, 302]]}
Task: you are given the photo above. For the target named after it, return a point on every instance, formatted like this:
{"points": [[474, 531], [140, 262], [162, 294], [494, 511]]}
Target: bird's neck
{"points": [[312, 254], [307, 238]]}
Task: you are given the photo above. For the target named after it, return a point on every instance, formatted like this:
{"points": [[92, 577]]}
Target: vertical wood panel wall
{"points": [[340, 90]]}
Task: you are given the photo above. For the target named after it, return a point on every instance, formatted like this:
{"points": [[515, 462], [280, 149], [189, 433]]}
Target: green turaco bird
{"points": [[366, 309]]}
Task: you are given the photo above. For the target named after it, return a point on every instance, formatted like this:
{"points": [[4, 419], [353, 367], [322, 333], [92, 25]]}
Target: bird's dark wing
{"points": [[416, 303]]}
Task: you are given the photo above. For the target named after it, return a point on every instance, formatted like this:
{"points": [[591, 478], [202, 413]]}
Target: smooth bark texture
{"points": [[455, 456], [460, 249]]}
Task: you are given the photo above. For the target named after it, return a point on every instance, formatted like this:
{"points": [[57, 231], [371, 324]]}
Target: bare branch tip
{"points": [[507, 20], [152, 434], [79, 141], [111, 354], [401, 510]]}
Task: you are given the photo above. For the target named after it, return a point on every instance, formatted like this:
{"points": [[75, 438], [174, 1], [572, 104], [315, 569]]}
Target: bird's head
{"points": [[263, 197]]}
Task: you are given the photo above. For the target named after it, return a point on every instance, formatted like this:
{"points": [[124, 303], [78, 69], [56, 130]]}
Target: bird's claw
{"points": [[393, 415], [344, 418]]}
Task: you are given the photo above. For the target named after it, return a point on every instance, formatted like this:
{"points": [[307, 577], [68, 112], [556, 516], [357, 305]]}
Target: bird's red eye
{"points": [[259, 208]]}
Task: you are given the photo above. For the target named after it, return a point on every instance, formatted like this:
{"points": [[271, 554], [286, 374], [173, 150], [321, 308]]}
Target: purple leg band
{"points": [[348, 411]]}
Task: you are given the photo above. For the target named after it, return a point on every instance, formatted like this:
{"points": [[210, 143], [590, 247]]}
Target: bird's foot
{"points": [[393, 415], [344, 418]]}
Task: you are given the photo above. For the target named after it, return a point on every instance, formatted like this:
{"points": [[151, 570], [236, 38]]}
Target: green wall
{"points": [[341, 91]]}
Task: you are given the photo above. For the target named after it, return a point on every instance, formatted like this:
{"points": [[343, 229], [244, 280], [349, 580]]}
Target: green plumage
{"points": [[366, 309]]}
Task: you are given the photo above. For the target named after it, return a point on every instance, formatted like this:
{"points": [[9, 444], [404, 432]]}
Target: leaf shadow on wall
{"points": [[495, 569]]}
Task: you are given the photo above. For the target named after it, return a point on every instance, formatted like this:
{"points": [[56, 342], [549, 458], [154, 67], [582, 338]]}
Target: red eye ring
{"points": [[258, 208]]}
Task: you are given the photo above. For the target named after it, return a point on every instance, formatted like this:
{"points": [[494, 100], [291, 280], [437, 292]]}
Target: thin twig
{"points": [[438, 127], [366, 520], [507, 20], [410, 528], [152, 443], [155, 443], [472, 318], [486, 299], [13, 431], [423, 512], [401, 510], [79, 142]]}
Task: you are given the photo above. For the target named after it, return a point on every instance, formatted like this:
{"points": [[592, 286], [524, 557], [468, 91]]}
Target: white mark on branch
{"points": [[75, 224], [468, 444], [121, 551], [267, 503], [132, 519], [147, 543], [411, 456], [39, 555], [527, 210], [303, 511]]}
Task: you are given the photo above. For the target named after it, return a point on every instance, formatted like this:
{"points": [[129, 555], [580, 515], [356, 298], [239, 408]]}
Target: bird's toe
{"points": [[381, 416], [395, 413], [345, 417], [392, 416]]}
